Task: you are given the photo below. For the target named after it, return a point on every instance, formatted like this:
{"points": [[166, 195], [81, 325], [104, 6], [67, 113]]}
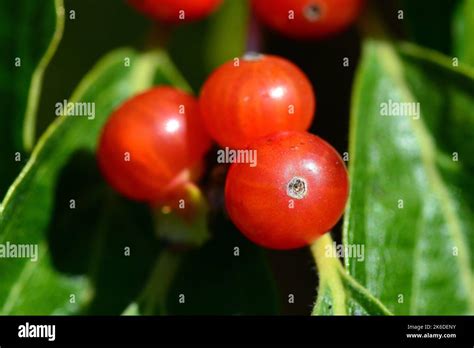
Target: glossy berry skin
{"points": [[308, 19], [295, 193], [153, 144], [175, 11], [260, 95]]}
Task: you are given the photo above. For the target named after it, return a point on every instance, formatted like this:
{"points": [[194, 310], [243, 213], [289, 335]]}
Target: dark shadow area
{"points": [[95, 232]]}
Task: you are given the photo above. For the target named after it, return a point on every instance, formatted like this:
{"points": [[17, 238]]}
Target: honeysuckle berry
{"points": [[253, 96], [153, 145], [295, 193], [308, 19]]}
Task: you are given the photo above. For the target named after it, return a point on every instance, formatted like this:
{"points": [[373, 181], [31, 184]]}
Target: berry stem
{"points": [[254, 36], [329, 268], [370, 24], [158, 37], [186, 225], [336, 285], [183, 229], [153, 296]]}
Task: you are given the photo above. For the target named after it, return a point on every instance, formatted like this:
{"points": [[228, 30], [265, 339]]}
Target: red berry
{"points": [[308, 19], [152, 143], [255, 96], [174, 11], [295, 193]]}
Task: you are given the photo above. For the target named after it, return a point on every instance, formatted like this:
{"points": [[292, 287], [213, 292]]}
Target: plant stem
{"points": [[153, 297], [334, 279], [329, 268], [371, 26], [183, 226]]}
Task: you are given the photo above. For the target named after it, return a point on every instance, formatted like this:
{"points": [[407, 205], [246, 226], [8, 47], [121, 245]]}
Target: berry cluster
{"points": [[154, 144], [301, 19]]}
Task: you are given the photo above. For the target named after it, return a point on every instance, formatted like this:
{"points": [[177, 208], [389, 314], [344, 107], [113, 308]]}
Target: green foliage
{"points": [[27, 208], [411, 197], [25, 51], [410, 203]]}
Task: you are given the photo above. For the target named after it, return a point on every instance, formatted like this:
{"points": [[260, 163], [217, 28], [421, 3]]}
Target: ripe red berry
{"points": [[254, 96], [174, 11], [152, 144], [295, 193], [308, 19]]}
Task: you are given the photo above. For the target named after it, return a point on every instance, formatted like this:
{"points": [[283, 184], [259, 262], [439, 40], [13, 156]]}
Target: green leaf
{"points": [[463, 32], [26, 209], [30, 32], [339, 293], [412, 197], [198, 48]]}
